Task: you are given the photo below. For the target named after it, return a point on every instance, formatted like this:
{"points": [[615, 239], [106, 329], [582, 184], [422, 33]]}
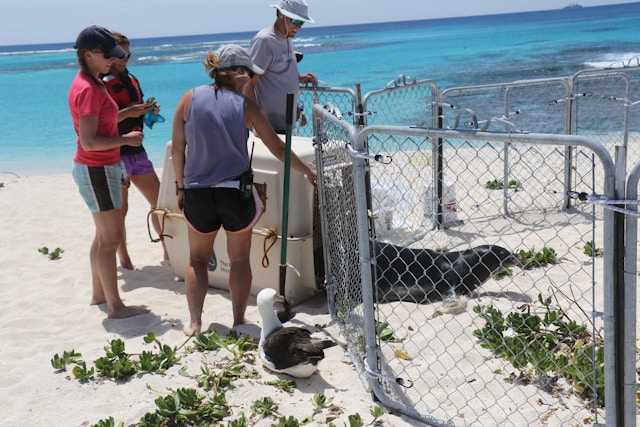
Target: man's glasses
{"points": [[126, 57], [297, 22]]}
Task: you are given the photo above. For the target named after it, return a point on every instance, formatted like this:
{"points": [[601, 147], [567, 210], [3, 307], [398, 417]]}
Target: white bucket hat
{"points": [[232, 55], [295, 9]]}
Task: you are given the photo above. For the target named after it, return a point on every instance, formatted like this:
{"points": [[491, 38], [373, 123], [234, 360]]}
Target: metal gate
{"points": [[415, 178], [461, 178], [424, 359]]}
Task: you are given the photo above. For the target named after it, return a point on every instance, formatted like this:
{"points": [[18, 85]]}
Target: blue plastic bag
{"points": [[150, 118]]}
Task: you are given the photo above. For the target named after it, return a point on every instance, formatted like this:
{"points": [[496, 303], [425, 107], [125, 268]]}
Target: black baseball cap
{"points": [[99, 38]]}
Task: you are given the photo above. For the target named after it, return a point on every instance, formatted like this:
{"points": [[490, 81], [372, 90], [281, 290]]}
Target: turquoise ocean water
{"points": [[37, 137]]}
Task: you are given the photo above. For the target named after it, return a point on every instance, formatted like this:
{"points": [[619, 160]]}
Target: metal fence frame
{"points": [[364, 238], [333, 99], [629, 387], [615, 394], [330, 105], [506, 117]]}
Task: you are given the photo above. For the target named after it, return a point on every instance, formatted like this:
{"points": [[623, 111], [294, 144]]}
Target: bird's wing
{"points": [[290, 346]]}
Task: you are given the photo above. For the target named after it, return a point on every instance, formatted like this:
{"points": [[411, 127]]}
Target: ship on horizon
{"points": [[573, 6]]}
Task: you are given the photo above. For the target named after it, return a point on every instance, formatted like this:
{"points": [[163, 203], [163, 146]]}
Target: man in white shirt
{"points": [[272, 50]]}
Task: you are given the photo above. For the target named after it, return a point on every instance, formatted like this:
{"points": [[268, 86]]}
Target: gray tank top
{"points": [[216, 138]]}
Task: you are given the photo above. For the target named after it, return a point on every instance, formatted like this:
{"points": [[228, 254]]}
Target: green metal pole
{"points": [[285, 207]]}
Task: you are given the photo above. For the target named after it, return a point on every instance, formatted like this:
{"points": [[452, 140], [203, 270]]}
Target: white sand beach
{"points": [[46, 311]]}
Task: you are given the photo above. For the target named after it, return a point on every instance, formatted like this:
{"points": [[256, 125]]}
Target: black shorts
{"points": [[208, 209]]}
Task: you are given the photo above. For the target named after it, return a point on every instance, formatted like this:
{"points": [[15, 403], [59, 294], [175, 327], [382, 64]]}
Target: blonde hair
{"points": [[120, 38], [221, 76]]}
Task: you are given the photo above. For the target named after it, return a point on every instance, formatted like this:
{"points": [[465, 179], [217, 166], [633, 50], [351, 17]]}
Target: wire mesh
{"points": [[436, 198], [340, 100], [454, 377], [342, 266]]}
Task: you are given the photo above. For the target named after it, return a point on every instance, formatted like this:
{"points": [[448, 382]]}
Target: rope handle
{"points": [[162, 233], [271, 234]]}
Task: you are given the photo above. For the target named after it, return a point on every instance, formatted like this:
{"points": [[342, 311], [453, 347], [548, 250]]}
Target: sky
{"points": [[60, 21]]}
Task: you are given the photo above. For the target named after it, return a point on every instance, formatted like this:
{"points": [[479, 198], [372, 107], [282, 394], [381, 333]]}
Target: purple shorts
{"points": [[137, 164]]}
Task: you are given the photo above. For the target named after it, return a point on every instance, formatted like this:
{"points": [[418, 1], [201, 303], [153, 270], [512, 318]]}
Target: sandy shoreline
{"points": [[46, 312]]}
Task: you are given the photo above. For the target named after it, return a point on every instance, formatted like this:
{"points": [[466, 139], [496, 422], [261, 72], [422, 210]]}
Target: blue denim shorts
{"points": [[100, 186]]}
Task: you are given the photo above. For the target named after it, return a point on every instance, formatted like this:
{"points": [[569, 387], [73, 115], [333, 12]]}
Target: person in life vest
{"points": [[125, 89]]}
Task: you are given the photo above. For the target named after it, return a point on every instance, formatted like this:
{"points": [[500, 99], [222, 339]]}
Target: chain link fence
{"points": [[335, 100], [420, 178]]}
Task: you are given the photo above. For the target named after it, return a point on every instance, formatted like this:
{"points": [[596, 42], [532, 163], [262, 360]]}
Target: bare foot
{"points": [[127, 264], [129, 311], [192, 330], [241, 322], [98, 297]]}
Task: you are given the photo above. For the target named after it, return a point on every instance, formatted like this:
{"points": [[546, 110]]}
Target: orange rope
{"points": [[272, 234], [162, 235]]}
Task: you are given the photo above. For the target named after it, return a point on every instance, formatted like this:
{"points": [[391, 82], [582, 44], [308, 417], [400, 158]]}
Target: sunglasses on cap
{"points": [[297, 22]]}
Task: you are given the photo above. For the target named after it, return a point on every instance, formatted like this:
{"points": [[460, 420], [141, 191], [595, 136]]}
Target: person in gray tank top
{"points": [[272, 50], [210, 158]]}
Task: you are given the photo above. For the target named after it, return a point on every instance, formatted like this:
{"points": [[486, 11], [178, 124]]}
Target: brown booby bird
{"points": [[288, 350]]}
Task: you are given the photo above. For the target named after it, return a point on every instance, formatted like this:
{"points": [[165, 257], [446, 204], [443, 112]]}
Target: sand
{"points": [[46, 311]]}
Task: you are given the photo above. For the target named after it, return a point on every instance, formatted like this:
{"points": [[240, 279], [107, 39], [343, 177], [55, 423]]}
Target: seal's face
{"points": [[499, 257]]}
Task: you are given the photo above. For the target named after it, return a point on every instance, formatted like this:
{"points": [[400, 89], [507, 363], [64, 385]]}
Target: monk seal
{"points": [[424, 275]]}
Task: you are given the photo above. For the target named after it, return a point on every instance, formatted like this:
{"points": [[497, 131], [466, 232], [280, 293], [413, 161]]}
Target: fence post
{"points": [[630, 314], [438, 174], [614, 301]]}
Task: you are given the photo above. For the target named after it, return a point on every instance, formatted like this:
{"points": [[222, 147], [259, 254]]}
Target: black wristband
{"points": [[178, 189]]}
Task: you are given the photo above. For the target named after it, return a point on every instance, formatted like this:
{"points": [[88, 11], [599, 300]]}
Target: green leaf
{"points": [[264, 406], [377, 411], [288, 422], [80, 371], [355, 420], [149, 338]]}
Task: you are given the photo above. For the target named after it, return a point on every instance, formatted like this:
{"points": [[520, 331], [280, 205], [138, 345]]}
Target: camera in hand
{"points": [[246, 184]]}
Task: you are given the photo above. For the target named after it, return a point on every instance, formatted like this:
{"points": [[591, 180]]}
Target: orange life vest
{"points": [[125, 90]]}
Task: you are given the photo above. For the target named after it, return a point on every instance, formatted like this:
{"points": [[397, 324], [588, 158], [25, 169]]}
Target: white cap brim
{"points": [[292, 15]]}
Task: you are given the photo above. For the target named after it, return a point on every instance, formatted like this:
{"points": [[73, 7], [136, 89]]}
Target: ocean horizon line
{"points": [[452, 52], [11, 49]]}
